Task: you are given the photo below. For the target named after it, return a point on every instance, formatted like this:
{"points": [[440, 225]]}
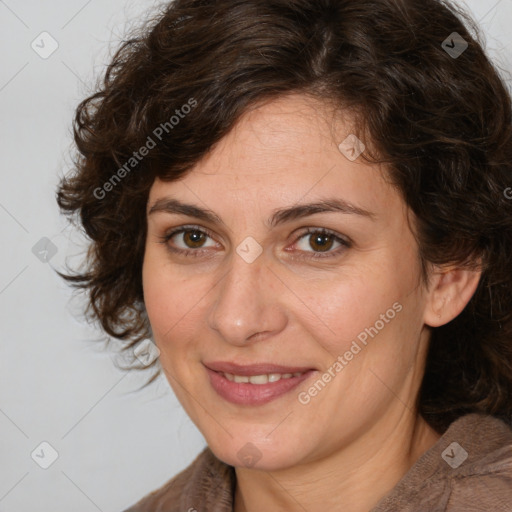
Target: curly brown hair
{"points": [[441, 123]]}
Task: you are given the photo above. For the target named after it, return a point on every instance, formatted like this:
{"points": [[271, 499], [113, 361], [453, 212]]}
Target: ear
{"points": [[449, 292]]}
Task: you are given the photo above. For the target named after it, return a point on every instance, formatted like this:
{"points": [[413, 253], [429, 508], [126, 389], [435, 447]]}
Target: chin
{"points": [[246, 452]]}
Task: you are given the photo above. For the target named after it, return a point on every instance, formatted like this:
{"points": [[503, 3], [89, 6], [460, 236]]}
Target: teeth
{"points": [[260, 379]]}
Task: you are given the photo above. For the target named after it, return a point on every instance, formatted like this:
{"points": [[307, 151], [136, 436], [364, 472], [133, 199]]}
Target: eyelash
{"points": [[345, 244]]}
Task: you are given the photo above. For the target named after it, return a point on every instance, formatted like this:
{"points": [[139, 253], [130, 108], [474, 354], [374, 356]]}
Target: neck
{"points": [[355, 476]]}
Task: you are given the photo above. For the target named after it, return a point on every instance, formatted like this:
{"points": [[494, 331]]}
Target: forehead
{"points": [[295, 129], [282, 152]]}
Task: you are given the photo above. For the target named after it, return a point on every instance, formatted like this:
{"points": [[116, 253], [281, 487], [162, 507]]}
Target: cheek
{"points": [[368, 312], [343, 307], [160, 295], [172, 300]]}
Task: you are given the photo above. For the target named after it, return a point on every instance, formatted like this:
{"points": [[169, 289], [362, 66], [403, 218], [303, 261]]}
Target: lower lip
{"points": [[242, 393]]}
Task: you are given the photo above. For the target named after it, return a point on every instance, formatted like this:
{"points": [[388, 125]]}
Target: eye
{"points": [[321, 240], [192, 238]]}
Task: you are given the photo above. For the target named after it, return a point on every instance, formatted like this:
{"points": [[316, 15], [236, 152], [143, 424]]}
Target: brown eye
{"points": [[321, 241], [187, 241], [193, 238]]}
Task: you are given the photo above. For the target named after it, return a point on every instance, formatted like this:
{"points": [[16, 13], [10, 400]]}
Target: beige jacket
{"points": [[468, 470]]}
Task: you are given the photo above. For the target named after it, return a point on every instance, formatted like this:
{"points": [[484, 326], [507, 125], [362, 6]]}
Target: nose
{"points": [[248, 306]]}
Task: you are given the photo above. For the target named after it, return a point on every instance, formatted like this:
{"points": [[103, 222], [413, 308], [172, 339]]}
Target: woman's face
{"points": [[255, 288]]}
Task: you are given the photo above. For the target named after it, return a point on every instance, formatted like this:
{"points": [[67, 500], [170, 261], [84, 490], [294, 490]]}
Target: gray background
{"points": [[114, 443]]}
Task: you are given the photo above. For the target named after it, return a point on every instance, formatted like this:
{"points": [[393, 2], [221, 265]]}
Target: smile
{"points": [[255, 390], [260, 379]]}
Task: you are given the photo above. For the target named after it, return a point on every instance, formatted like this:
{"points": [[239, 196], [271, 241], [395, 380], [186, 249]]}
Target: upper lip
{"points": [[254, 369]]}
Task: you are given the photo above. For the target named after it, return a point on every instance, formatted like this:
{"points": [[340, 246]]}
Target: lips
{"points": [[254, 369], [249, 394]]}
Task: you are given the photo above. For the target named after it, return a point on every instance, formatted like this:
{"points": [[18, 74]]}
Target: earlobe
{"points": [[450, 292]]}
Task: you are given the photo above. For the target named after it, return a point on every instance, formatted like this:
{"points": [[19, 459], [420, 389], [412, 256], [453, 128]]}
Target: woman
{"points": [[303, 203]]}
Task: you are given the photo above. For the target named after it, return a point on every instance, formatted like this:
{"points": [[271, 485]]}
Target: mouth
{"points": [[255, 384]]}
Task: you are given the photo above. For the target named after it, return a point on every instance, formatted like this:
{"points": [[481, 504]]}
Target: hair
{"points": [[440, 123]]}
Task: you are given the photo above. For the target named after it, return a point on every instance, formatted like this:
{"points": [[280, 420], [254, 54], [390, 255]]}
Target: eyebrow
{"points": [[279, 216]]}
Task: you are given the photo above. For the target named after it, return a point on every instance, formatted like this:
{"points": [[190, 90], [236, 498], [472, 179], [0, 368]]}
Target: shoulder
{"points": [[206, 480], [469, 469], [482, 492], [482, 481]]}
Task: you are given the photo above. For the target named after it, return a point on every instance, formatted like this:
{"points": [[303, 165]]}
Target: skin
{"points": [[356, 438]]}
